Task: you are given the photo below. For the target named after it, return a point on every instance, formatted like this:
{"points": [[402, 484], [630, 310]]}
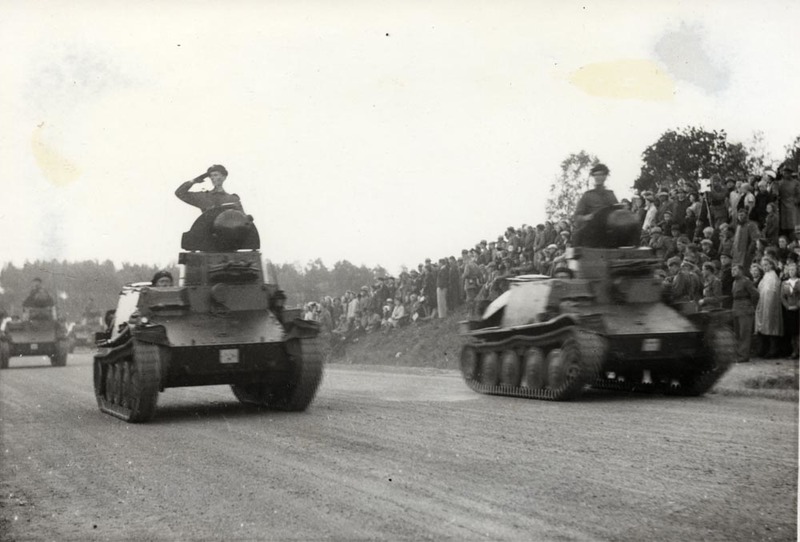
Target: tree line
{"points": [[92, 285]]}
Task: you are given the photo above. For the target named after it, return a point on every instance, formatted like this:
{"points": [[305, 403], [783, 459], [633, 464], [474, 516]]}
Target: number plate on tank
{"points": [[34, 346], [230, 355], [651, 345]]}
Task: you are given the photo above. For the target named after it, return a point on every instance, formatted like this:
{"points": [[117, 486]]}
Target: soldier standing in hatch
{"points": [[38, 296], [209, 199], [592, 201]]}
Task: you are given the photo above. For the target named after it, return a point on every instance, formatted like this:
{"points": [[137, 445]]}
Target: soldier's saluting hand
{"points": [[209, 199]]}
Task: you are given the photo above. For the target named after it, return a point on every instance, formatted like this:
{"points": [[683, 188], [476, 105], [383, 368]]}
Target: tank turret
{"points": [[610, 227], [222, 229]]}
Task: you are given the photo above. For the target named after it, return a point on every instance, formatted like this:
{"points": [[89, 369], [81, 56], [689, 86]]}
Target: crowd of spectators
{"points": [[724, 243]]}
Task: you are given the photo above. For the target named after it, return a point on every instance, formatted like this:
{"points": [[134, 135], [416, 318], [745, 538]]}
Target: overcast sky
{"points": [[377, 132]]}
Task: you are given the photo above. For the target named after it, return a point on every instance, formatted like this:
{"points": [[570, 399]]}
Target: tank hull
{"points": [[647, 347], [161, 366]]}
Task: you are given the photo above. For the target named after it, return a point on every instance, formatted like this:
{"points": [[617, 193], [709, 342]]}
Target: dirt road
{"points": [[391, 454]]}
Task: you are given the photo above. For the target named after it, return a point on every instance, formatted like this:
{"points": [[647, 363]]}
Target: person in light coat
{"points": [[768, 318]]}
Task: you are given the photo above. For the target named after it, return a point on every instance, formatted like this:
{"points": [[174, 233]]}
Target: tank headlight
{"points": [[144, 320]]}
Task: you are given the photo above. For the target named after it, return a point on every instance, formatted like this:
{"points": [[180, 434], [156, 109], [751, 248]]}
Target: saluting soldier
{"points": [[209, 199], [593, 200]]}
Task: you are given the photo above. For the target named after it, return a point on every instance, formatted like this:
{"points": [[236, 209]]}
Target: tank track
{"points": [[5, 354], [302, 386], [59, 359], [553, 366], [127, 381], [721, 353]]}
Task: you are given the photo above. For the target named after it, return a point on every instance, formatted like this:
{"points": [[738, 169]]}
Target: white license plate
{"points": [[651, 345], [230, 355], [34, 346]]}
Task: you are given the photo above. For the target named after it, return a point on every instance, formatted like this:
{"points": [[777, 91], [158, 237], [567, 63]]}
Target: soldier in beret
{"points": [[209, 199], [592, 200]]}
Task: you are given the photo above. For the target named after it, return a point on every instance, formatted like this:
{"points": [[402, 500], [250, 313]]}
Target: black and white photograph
{"points": [[399, 270]]}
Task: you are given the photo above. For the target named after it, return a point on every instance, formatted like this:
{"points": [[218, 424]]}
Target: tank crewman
{"points": [[593, 200], [38, 297], [209, 199], [162, 279]]}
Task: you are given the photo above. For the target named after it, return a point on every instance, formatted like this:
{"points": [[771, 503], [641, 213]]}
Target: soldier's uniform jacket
{"points": [[595, 199], [712, 292], [471, 276], [685, 287], [39, 298], [745, 296], [207, 199]]}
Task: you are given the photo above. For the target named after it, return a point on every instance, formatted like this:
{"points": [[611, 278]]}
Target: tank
{"points": [[222, 324], [604, 326], [83, 332], [40, 332]]}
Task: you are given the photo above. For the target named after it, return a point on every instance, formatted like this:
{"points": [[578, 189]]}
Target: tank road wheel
{"points": [[509, 369], [559, 368], [535, 372], [470, 363], [721, 352], [574, 365], [5, 354], [490, 369], [145, 381], [298, 392], [59, 359]]}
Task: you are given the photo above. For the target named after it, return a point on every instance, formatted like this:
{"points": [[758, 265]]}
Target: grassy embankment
{"points": [[437, 344]]}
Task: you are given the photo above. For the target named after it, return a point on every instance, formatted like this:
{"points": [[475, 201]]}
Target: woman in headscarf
{"points": [[768, 311]]}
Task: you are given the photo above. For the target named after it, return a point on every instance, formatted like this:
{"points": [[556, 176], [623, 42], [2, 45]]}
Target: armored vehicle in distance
{"points": [[40, 332], [221, 325], [606, 327], [83, 332]]}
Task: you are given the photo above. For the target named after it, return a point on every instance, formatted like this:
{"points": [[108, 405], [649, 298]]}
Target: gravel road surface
{"points": [[388, 454]]}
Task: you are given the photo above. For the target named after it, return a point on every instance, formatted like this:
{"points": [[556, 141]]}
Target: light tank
{"points": [[222, 324], [606, 326], [40, 332], [83, 332]]}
